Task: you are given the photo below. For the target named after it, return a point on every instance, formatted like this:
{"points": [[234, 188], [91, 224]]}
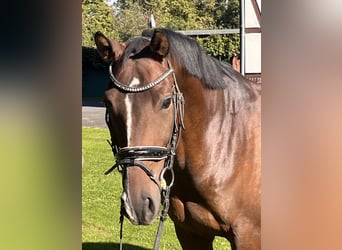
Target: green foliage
{"points": [[182, 15], [131, 20], [223, 47], [127, 18], [96, 16], [227, 15]]}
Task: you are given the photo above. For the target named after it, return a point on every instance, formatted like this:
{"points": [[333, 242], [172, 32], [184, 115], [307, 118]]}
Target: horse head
{"points": [[143, 103]]}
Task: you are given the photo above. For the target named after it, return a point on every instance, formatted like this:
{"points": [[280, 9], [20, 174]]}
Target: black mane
{"points": [[195, 61]]}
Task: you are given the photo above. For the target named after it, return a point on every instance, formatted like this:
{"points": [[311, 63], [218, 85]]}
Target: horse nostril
{"points": [[149, 204]]}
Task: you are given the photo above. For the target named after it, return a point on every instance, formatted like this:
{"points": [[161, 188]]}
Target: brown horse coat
{"points": [[217, 168]]}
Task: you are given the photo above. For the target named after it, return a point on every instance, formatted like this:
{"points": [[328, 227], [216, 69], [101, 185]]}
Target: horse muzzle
{"points": [[141, 198], [142, 212]]}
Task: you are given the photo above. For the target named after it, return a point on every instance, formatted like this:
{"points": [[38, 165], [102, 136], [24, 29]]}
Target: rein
{"points": [[135, 156]]}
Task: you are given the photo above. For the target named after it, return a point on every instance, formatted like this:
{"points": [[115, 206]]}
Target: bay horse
{"points": [[171, 106]]}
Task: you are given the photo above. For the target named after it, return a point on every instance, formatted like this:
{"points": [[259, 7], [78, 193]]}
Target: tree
{"points": [[227, 14], [128, 18], [131, 19], [203, 14], [96, 16], [172, 14]]}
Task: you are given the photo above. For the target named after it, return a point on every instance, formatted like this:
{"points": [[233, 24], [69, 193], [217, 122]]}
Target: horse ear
{"points": [[159, 43], [110, 50]]}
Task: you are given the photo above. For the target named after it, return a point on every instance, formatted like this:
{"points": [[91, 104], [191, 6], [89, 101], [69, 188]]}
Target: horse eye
{"points": [[166, 103]]}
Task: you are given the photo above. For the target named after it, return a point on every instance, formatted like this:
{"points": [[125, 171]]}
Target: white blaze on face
{"points": [[128, 103]]}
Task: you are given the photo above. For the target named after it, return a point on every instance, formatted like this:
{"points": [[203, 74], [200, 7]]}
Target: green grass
{"points": [[101, 204]]}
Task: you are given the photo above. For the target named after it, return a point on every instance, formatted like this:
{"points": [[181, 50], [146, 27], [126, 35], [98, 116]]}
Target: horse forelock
{"points": [[134, 46]]}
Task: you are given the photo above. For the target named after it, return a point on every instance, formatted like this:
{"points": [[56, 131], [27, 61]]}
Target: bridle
{"points": [[135, 156]]}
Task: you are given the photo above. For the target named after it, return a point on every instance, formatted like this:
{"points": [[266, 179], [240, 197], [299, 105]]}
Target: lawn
{"points": [[101, 204]]}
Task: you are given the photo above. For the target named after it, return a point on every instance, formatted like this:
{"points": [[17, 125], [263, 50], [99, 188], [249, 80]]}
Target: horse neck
{"points": [[202, 106], [214, 121]]}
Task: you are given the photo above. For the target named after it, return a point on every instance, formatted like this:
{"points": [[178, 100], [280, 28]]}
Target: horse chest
{"points": [[192, 215]]}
